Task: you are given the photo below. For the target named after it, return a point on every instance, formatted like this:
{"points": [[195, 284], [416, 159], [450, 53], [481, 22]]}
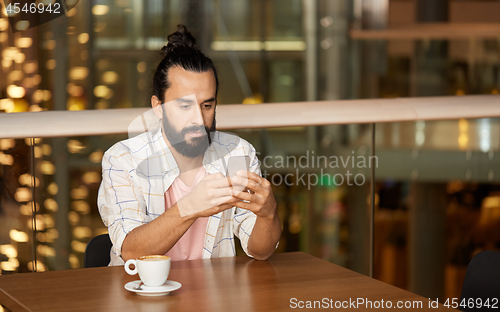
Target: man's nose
{"points": [[197, 116]]}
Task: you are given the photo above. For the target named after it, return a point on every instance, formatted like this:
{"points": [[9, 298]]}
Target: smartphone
{"points": [[235, 164]]}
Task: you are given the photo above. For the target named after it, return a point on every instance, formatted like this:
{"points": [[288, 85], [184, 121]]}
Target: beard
{"points": [[195, 146]]}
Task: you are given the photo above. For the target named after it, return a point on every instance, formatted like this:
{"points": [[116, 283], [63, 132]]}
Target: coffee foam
{"points": [[154, 258]]}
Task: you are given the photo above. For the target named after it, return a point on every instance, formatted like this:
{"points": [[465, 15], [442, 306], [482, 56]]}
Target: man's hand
{"points": [[267, 230], [211, 196], [261, 198]]}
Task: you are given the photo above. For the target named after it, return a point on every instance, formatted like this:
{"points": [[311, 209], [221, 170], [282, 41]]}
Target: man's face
{"points": [[189, 111]]}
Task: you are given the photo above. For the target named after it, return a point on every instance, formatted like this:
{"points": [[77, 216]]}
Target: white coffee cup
{"points": [[153, 270]]}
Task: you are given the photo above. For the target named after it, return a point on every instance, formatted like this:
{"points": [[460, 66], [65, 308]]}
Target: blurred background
{"points": [[437, 183]]}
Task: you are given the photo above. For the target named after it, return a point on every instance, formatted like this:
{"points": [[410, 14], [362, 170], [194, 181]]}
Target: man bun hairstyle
{"points": [[181, 50]]}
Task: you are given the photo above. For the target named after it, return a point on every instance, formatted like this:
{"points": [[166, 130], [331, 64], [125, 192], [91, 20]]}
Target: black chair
{"points": [[97, 252], [482, 283]]}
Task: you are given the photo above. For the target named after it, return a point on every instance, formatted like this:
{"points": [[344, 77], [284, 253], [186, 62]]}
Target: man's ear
{"points": [[157, 108]]}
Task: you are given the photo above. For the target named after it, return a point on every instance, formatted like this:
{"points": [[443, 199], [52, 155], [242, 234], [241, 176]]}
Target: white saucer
{"points": [[162, 290]]}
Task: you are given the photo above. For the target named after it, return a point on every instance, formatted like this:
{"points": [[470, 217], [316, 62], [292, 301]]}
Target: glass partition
{"points": [[321, 185], [437, 194]]}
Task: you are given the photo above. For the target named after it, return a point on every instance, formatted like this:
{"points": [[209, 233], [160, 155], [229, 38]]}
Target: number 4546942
{"points": [[15, 8], [453, 303]]}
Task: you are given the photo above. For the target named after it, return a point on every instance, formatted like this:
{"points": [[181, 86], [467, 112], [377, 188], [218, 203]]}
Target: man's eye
{"points": [[184, 106], [208, 106]]}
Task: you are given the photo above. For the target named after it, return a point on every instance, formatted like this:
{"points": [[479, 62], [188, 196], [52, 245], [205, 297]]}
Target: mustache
{"points": [[195, 129]]}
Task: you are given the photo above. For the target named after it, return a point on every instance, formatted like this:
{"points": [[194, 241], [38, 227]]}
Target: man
{"points": [[164, 191]]}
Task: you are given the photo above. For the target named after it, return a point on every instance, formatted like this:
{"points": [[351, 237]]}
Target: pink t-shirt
{"points": [[190, 245]]}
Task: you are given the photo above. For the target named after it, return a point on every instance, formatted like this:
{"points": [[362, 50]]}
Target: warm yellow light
{"points": [[30, 67], [10, 53], [83, 38], [27, 82], [463, 125], [24, 42], [141, 67], [50, 204], [73, 218], [11, 265], [73, 261], [6, 144], [91, 177], [26, 179], [75, 104], [47, 95], [37, 96], [37, 79], [81, 206], [22, 194], [100, 9], [15, 75], [96, 156], [101, 91], [52, 188], [3, 37], [46, 251], [463, 140], [258, 45], [49, 44], [46, 167], [100, 231], [75, 146], [8, 250], [80, 192], [48, 220], [40, 224], [40, 267], [6, 62], [51, 235], [78, 73], [82, 232], [7, 105], [40, 237], [71, 12], [6, 159], [74, 90], [18, 236], [22, 25], [20, 57], [26, 209], [110, 77], [4, 24], [15, 92], [50, 64], [35, 140], [78, 246], [36, 108]]}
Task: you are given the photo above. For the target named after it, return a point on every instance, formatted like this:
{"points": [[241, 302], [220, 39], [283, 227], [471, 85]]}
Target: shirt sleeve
{"points": [[244, 220], [120, 201]]}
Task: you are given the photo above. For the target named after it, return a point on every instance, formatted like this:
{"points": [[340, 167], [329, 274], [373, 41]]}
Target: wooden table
{"points": [[226, 284]]}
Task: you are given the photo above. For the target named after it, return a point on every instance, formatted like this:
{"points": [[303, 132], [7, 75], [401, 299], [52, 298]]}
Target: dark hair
{"points": [[181, 50]]}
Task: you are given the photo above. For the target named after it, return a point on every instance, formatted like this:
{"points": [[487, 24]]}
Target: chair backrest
{"points": [[482, 280], [97, 252]]}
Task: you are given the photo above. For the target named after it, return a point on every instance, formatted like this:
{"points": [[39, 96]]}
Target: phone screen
{"points": [[236, 163]]}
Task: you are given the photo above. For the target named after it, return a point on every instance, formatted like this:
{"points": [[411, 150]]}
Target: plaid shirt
{"points": [[137, 172]]}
